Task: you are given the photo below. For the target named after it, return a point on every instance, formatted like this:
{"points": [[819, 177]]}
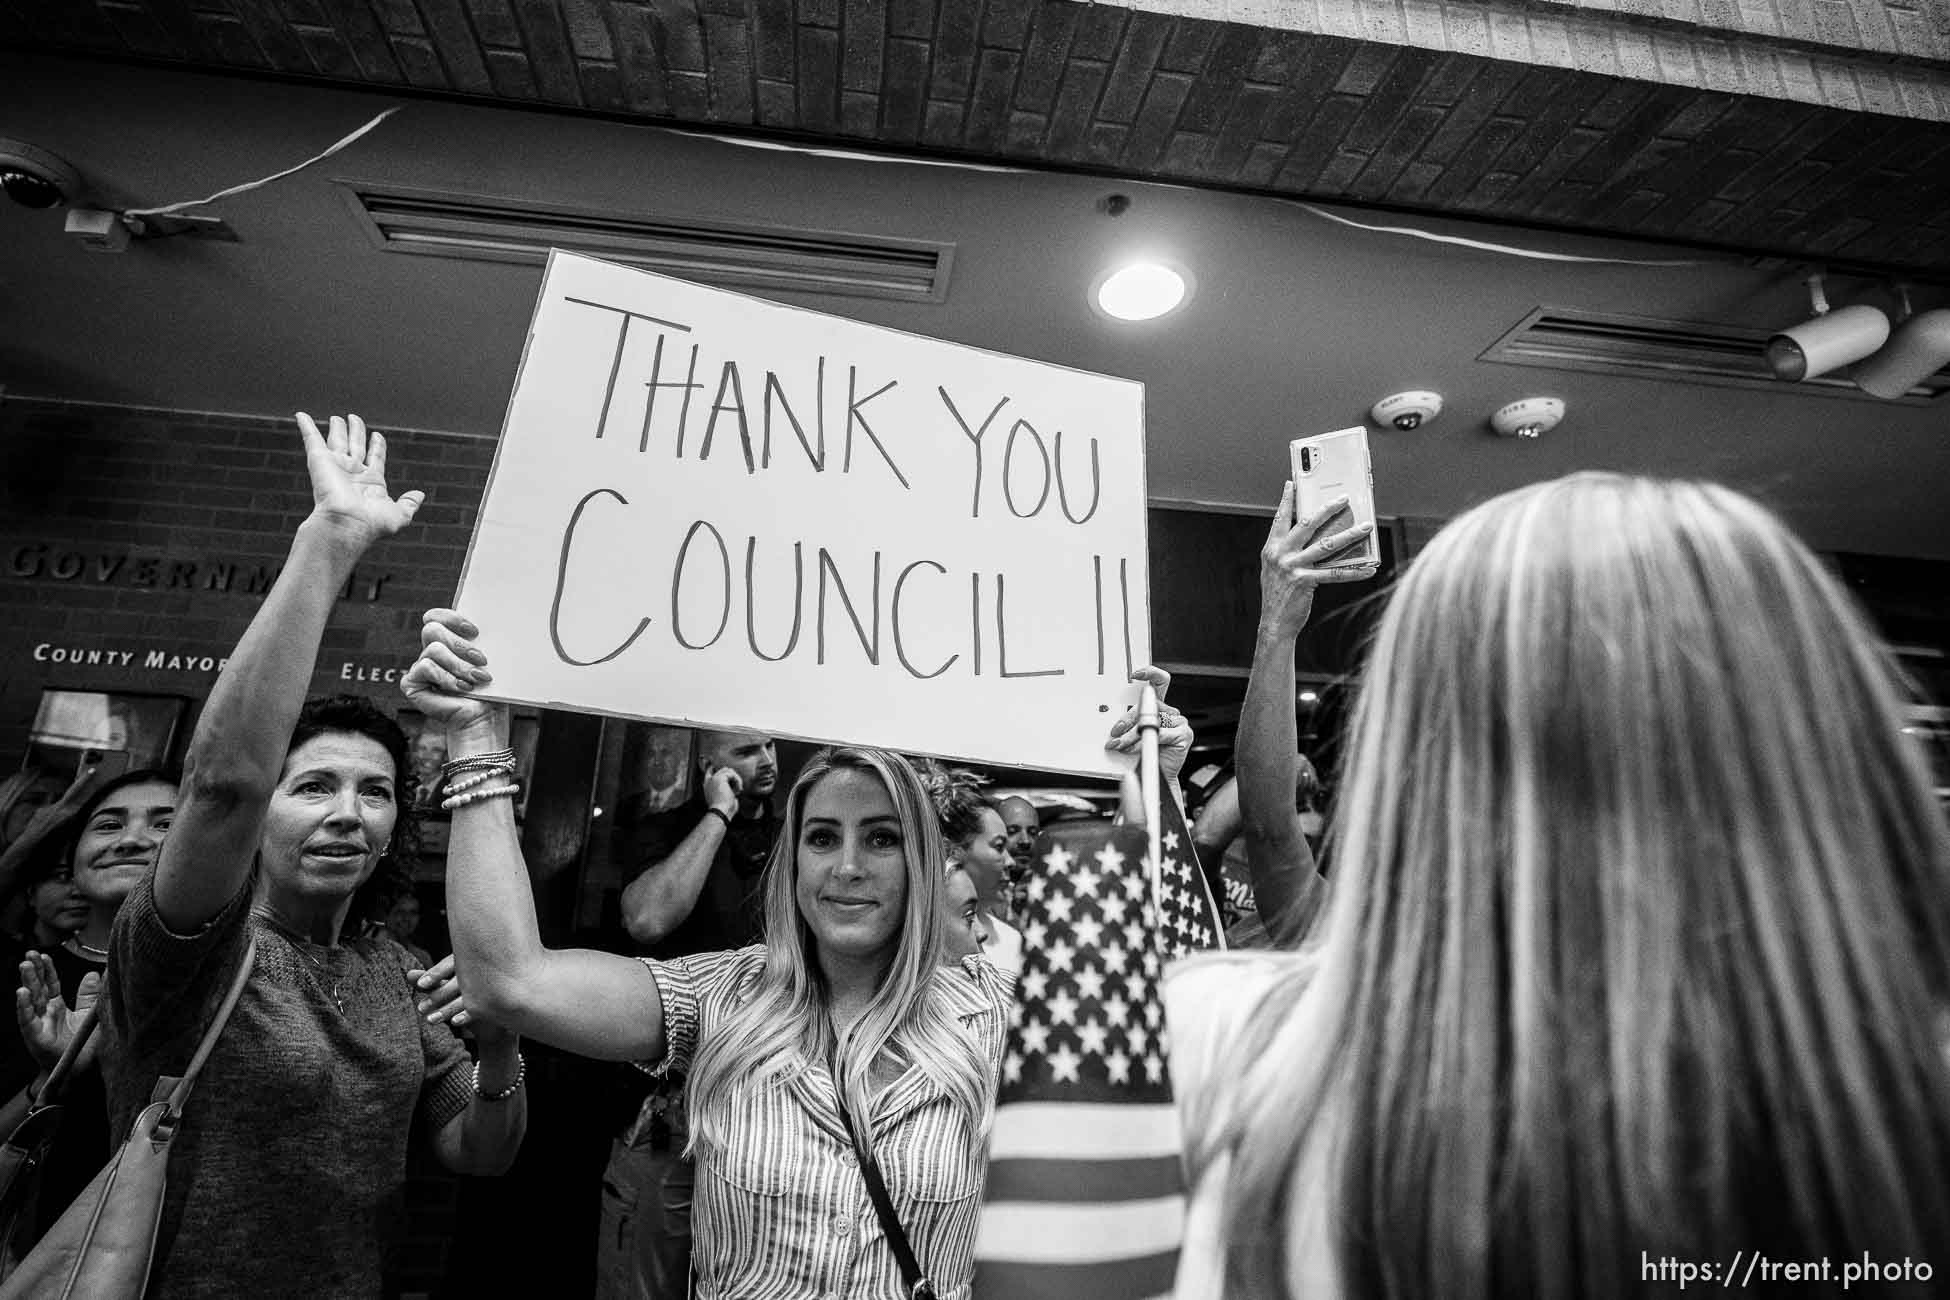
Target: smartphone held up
{"points": [[1327, 467]]}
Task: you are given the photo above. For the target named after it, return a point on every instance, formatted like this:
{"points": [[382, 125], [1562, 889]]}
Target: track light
{"points": [[1826, 341], [1920, 347]]}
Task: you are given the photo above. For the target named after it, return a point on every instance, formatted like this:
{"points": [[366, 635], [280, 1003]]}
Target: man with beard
{"points": [[698, 891]]}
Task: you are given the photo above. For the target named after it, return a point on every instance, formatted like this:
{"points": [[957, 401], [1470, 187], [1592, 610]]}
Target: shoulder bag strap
{"points": [[57, 1078], [181, 1092], [918, 1286]]}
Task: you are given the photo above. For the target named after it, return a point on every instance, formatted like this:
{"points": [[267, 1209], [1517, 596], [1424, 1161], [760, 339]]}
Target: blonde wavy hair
{"points": [[1638, 940], [784, 1026]]}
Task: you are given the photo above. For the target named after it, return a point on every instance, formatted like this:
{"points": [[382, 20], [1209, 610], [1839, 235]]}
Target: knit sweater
{"points": [[287, 1174]]}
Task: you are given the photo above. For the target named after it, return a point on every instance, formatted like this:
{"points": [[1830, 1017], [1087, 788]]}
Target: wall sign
{"points": [[715, 510], [38, 560]]}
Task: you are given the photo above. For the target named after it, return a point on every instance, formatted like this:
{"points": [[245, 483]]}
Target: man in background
{"points": [[698, 890], [1020, 823]]}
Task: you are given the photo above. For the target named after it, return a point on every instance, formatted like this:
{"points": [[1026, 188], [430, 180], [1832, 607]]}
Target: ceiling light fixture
{"points": [[1140, 291], [1827, 340], [1919, 348]]}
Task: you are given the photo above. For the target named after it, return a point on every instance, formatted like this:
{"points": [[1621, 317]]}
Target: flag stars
{"points": [[1034, 936], [1063, 1064], [1134, 886], [1034, 984], [1058, 860], [1084, 881], [1112, 907], [1035, 1037], [1090, 1035], [1060, 955], [1154, 1068], [1118, 1067], [1118, 1010], [1110, 860], [1090, 984], [1062, 1010], [1113, 955], [1059, 906], [1037, 888], [1088, 933], [1012, 1066]]}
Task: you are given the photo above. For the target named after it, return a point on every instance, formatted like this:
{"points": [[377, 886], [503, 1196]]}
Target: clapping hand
{"points": [[46, 1023]]}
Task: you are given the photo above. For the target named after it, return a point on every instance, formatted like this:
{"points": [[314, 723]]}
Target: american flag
{"points": [[1086, 1194]]}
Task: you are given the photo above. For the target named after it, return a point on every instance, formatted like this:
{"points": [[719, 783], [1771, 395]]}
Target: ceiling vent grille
{"points": [[1668, 349], [747, 257]]}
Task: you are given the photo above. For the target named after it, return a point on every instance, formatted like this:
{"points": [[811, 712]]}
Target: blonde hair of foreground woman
{"points": [[784, 1024], [1638, 943]]}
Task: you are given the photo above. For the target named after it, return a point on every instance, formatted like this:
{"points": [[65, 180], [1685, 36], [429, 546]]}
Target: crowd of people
{"points": [[1635, 945]]}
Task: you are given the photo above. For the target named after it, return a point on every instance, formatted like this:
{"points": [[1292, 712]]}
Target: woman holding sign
{"points": [[844, 1049]]}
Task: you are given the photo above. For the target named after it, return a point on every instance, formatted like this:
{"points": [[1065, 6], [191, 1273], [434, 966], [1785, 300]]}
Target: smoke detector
{"points": [[1528, 417]]}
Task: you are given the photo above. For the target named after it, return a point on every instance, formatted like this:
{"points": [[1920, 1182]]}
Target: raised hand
{"points": [[721, 789], [46, 1023], [1174, 731], [450, 666], [1292, 563], [348, 481]]}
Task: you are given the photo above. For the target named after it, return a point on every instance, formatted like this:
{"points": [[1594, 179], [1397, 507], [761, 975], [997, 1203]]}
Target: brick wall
{"points": [[140, 541]]}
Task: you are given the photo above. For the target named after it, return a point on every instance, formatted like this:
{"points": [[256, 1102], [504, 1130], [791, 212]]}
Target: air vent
{"points": [[740, 256], [1668, 349]]}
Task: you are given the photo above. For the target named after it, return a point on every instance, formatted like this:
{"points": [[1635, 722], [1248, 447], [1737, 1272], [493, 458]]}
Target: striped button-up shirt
{"points": [[781, 1211]]}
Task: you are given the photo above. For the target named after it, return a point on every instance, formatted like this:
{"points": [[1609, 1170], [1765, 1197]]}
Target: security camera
{"points": [[1529, 417], [35, 178], [1407, 411]]}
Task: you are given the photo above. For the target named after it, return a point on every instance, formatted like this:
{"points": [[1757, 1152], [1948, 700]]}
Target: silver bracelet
{"points": [[521, 1075]]}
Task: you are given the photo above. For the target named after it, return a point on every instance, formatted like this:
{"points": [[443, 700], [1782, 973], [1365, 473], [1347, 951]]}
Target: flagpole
{"points": [[1149, 784]]}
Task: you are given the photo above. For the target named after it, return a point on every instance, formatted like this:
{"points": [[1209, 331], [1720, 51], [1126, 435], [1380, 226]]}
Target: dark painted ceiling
{"points": [[1105, 88]]}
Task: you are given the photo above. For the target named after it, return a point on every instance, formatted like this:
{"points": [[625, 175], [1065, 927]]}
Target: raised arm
{"points": [[238, 750], [662, 896], [1266, 750], [591, 1003], [44, 825]]}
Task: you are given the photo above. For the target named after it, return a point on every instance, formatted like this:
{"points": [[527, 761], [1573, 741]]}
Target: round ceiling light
{"points": [[1140, 291]]}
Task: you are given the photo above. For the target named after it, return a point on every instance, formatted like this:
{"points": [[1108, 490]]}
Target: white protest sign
{"points": [[715, 510]]}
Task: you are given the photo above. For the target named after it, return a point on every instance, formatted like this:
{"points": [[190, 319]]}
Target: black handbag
{"points": [[103, 1245], [24, 1153], [918, 1286]]}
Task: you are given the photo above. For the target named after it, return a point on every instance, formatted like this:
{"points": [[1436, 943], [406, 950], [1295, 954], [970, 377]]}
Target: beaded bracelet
{"points": [[475, 796], [521, 1074], [453, 767], [470, 780]]}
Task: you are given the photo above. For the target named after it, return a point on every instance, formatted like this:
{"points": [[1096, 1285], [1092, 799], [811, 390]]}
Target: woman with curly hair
{"points": [[978, 840], [290, 832]]}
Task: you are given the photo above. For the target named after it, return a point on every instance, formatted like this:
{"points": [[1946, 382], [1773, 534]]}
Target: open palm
{"points": [[46, 1023], [348, 479]]}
